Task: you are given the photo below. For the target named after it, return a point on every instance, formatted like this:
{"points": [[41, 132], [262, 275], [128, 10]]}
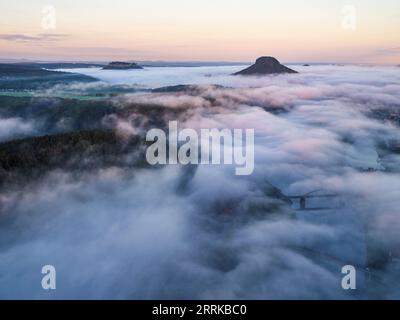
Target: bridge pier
{"points": [[302, 203]]}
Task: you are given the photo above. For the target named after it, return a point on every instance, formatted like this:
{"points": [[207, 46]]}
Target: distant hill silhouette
{"points": [[117, 65], [30, 77], [265, 65]]}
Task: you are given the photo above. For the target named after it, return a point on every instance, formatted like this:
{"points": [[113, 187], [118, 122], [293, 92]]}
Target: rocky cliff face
{"points": [[117, 65], [265, 65]]}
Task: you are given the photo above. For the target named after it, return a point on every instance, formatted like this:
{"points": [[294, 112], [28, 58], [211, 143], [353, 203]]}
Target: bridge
{"points": [[302, 200]]}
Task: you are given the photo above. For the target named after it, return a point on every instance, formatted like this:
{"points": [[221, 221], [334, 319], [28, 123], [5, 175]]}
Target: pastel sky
{"points": [[206, 30]]}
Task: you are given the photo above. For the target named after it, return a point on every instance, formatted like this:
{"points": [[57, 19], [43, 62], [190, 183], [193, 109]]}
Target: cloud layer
{"points": [[41, 37], [182, 232]]}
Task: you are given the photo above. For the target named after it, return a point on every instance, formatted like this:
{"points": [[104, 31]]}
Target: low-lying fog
{"points": [[166, 76], [133, 234]]}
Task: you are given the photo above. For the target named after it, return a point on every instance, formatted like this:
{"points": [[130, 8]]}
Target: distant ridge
{"points": [[117, 65], [264, 66], [31, 77]]}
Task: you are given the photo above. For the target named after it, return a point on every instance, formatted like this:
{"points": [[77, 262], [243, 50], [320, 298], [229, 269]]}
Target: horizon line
{"points": [[102, 61]]}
